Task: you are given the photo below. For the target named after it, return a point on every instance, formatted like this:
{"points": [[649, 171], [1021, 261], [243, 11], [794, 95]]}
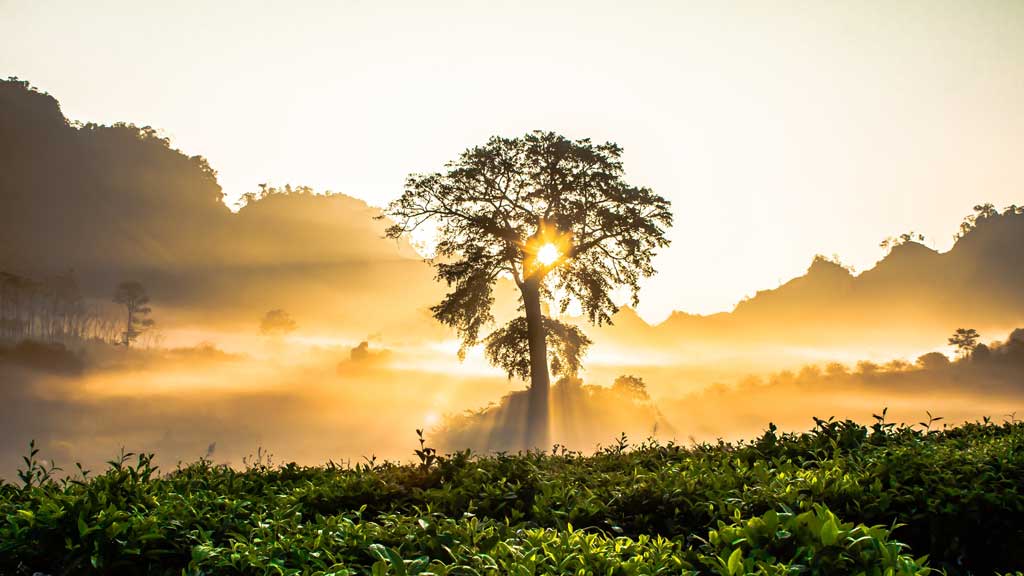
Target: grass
{"points": [[842, 498]]}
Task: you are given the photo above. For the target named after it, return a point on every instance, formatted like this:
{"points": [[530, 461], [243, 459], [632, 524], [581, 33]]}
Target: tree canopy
{"points": [[499, 203], [965, 340]]}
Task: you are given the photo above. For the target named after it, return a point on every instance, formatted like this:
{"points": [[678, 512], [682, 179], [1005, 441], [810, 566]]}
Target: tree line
{"points": [[53, 310]]}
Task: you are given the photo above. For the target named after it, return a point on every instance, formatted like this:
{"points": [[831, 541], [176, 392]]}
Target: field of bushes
{"points": [[842, 498]]}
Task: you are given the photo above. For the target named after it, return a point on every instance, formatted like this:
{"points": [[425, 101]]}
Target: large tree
{"points": [[556, 217]]}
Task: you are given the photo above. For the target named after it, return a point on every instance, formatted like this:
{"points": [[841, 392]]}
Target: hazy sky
{"points": [[778, 129]]}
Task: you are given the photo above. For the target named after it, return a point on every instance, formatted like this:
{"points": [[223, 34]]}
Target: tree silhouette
{"points": [[556, 217], [982, 212], [133, 296], [277, 321], [965, 340], [894, 241], [631, 387]]}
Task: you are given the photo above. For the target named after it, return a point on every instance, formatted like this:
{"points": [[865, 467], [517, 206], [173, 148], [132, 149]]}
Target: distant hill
{"points": [[913, 296], [118, 202]]}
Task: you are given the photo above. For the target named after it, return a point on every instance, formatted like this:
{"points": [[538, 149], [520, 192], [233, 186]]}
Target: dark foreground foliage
{"points": [[840, 499]]}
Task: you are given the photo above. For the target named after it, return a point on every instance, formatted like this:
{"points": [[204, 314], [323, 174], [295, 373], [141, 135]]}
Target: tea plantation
{"points": [[840, 499]]}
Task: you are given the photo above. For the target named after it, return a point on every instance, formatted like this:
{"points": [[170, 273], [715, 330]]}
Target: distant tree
{"points": [[987, 210], [360, 352], [277, 321], [68, 307], [981, 353], [933, 361], [553, 215], [833, 259], [11, 288], [867, 368], [894, 241], [810, 374], [965, 340], [267, 191], [981, 212], [631, 387], [1014, 346], [898, 365], [132, 295], [836, 370]]}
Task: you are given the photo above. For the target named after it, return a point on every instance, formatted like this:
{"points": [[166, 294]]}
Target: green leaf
{"points": [[735, 563], [83, 528], [829, 532]]}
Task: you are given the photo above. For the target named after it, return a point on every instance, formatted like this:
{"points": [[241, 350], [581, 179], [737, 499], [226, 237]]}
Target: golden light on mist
{"points": [[548, 254], [432, 418]]}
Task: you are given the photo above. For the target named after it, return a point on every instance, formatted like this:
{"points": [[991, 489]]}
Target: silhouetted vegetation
{"points": [[277, 322], [894, 241], [51, 310], [965, 340], [132, 295], [983, 212], [43, 356]]}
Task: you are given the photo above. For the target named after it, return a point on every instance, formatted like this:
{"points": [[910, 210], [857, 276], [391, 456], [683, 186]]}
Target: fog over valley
{"points": [[289, 323]]}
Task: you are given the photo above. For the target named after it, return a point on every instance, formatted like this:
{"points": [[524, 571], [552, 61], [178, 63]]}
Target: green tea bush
{"points": [[840, 499]]}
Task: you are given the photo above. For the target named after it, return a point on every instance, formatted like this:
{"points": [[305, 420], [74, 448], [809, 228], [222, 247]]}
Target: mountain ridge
{"points": [[979, 281]]}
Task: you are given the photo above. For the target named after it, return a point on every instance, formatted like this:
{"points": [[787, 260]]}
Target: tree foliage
{"points": [[983, 212], [965, 340], [632, 387], [508, 347]]}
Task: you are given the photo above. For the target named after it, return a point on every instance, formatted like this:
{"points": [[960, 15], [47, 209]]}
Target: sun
{"points": [[431, 418], [548, 254], [547, 248]]}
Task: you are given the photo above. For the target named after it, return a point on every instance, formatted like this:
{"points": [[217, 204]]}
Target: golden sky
{"points": [[778, 129]]}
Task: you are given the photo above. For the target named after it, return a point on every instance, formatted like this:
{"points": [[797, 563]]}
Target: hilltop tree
{"points": [[553, 215], [894, 241], [132, 295], [965, 340], [982, 212]]}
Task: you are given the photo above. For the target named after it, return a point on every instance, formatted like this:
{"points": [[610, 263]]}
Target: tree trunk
{"points": [[128, 327], [537, 414]]}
